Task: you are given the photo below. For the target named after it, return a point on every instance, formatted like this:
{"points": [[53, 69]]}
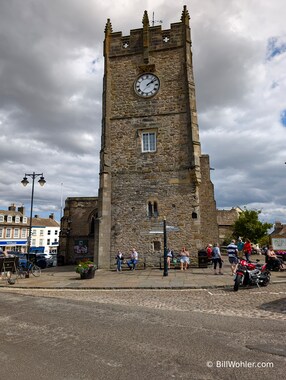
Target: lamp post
{"points": [[165, 248], [25, 183]]}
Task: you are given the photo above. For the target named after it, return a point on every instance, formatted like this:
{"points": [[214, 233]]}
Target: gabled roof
{"points": [[279, 230], [44, 222]]}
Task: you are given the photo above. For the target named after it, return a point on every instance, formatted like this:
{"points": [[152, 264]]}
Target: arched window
{"points": [[152, 209], [91, 226], [155, 205]]}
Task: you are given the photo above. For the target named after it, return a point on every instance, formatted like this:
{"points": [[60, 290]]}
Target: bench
{"points": [[175, 263], [201, 262], [141, 264]]}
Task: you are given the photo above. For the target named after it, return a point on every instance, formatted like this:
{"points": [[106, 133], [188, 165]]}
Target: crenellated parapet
{"points": [[149, 38]]}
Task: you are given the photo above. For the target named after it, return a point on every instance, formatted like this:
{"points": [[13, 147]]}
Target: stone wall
{"points": [[176, 176], [226, 220], [78, 224]]}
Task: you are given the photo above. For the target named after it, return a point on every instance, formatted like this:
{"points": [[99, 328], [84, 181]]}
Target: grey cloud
{"points": [[51, 70]]}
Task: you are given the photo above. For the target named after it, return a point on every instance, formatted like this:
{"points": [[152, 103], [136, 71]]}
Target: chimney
{"points": [[21, 210], [51, 216], [278, 226], [12, 207]]}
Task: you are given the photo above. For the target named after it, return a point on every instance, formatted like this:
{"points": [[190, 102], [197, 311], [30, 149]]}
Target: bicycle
{"points": [[24, 269]]}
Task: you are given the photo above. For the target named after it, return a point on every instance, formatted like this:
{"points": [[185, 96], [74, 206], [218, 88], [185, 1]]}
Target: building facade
{"points": [[77, 236], [278, 237], [45, 235], [151, 165], [14, 231]]}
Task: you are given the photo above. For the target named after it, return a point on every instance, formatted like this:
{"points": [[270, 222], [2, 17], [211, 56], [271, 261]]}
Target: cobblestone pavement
{"points": [[65, 277], [267, 303]]}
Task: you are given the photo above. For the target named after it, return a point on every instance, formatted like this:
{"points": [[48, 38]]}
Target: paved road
{"points": [[144, 334]]}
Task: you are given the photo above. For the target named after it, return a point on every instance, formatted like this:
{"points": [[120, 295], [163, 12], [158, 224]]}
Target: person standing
{"points": [[119, 261], [133, 259], [170, 256], [232, 252], [247, 248], [184, 258], [240, 244], [217, 260], [209, 250]]}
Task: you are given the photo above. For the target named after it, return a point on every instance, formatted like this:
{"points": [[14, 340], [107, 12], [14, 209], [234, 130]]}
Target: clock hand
{"points": [[148, 84], [153, 80]]}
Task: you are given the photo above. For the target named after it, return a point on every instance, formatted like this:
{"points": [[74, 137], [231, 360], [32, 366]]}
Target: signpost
{"points": [[164, 232]]}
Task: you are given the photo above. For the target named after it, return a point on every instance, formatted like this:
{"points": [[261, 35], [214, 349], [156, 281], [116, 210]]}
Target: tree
{"points": [[248, 226]]}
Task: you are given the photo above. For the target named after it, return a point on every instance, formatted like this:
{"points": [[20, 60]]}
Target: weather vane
{"points": [[157, 21]]}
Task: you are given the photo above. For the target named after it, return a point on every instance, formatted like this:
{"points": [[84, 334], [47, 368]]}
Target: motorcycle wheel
{"points": [[237, 282], [266, 281]]}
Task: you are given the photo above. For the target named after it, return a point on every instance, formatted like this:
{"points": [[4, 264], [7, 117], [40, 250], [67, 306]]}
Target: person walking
{"points": [[232, 251], [217, 260]]}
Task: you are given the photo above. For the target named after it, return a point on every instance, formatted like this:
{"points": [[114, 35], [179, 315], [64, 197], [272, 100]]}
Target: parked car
{"points": [[44, 260], [23, 257]]}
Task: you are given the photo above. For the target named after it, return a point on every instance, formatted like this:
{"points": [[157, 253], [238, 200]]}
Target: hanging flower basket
{"points": [[86, 269]]}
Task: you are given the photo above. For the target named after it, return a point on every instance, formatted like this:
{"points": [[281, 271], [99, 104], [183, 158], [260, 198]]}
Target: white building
{"points": [[45, 234]]}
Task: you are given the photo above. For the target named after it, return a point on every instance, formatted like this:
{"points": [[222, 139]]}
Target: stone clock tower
{"points": [[151, 165]]}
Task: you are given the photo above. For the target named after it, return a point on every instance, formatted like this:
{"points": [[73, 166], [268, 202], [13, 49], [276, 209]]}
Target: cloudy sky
{"points": [[51, 69]]}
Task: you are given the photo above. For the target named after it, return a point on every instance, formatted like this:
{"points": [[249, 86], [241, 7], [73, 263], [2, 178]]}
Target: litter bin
{"points": [[203, 258]]}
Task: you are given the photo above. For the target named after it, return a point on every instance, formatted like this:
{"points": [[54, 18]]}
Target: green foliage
{"points": [[248, 226], [84, 266], [265, 240], [227, 239]]}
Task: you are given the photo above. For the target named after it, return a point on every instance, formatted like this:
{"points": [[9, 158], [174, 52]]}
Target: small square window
{"points": [[157, 245]]}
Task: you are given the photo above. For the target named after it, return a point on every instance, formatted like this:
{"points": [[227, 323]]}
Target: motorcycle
{"points": [[248, 273]]}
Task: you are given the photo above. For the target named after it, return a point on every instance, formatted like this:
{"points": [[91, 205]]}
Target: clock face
{"points": [[147, 85]]}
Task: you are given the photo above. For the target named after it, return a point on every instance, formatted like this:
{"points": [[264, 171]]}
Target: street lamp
{"points": [[25, 183]]}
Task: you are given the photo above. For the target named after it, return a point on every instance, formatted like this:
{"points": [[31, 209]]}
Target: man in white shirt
{"points": [[133, 259]]}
